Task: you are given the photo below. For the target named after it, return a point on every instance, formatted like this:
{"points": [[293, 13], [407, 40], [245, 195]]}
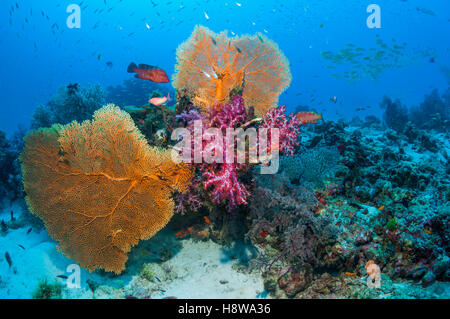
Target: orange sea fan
{"points": [[99, 187], [211, 65]]}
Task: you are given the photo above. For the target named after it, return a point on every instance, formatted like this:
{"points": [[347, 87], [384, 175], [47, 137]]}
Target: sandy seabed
{"points": [[200, 269]]}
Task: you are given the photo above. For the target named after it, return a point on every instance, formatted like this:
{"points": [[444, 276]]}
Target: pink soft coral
{"points": [[222, 177], [225, 179], [226, 185], [289, 127]]}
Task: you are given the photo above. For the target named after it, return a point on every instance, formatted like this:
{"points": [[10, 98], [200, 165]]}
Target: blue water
{"points": [[40, 55]]}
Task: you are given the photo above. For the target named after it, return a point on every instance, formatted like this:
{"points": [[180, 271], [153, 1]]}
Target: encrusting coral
{"points": [[211, 65], [99, 187]]}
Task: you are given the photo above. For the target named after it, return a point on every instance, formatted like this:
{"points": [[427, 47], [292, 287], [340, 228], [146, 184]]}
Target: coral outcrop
{"points": [[71, 103], [99, 187], [210, 66]]}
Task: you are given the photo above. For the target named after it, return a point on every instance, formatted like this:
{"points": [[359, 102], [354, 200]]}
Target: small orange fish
{"points": [[203, 234], [350, 273], [427, 231], [308, 117], [183, 233], [158, 101], [207, 220], [380, 208]]}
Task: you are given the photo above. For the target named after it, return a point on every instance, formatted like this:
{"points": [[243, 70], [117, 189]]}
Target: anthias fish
{"points": [[148, 72], [157, 101]]}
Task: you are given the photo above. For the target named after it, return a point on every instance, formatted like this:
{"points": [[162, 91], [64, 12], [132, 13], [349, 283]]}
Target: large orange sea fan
{"points": [[211, 65], [99, 187]]}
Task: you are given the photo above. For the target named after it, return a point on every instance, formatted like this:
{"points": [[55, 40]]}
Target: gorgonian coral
{"points": [[99, 187], [211, 65]]}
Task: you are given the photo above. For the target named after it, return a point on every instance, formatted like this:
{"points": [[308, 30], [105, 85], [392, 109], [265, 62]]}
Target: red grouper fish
{"points": [[148, 72]]}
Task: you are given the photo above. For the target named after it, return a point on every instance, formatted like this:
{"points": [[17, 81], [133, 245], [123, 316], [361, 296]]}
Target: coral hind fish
{"points": [[308, 117], [148, 72]]}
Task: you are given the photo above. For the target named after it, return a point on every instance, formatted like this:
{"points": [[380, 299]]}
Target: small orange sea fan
{"points": [[211, 65], [99, 187]]}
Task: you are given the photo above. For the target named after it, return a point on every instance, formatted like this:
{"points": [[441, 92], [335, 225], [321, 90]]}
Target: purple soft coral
{"points": [[228, 115], [225, 180], [190, 116]]}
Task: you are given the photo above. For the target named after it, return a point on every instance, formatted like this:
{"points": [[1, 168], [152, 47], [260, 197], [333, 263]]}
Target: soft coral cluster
{"points": [[220, 176], [288, 126], [226, 185], [228, 115], [223, 178]]}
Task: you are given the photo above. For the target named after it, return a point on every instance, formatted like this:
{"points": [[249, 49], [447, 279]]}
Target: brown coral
{"points": [[99, 187], [211, 65]]}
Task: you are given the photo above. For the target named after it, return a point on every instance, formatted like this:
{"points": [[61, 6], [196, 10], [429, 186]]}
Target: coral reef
{"points": [[99, 187], [69, 104], [382, 194], [10, 180], [46, 290], [395, 114], [154, 122], [221, 178], [210, 66], [433, 112], [359, 209], [311, 166]]}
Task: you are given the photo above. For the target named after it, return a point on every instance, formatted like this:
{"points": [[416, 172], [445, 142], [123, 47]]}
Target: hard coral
{"points": [[211, 65], [99, 187]]}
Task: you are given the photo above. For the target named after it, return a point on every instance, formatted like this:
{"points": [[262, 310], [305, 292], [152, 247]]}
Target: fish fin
{"points": [[131, 67]]}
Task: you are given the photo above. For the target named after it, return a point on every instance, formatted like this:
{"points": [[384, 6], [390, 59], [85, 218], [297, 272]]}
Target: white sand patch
{"points": [[204, 271]]}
